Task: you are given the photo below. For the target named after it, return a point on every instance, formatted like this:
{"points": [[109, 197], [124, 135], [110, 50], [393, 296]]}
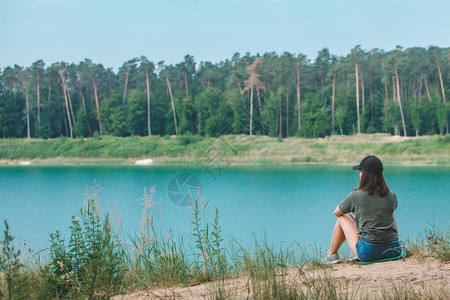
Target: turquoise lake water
{"points": [[281, 204]]}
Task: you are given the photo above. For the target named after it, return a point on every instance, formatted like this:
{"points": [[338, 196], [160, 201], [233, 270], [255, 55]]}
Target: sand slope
{"points": [[426, 276]]}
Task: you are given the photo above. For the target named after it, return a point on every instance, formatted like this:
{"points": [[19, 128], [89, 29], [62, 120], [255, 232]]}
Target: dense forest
{"points": [[399, 92]]}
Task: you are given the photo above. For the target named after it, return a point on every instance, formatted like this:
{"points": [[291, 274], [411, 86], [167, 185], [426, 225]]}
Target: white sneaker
{"points": [[331, 259], [352, 258]]}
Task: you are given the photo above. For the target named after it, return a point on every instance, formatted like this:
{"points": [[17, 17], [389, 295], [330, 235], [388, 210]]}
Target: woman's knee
{"points": [[347, 224]]}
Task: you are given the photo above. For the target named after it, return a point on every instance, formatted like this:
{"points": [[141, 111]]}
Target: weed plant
{"points": [[10, 267], [156, 260], [209, 254], [91, 264], [435, 243]]}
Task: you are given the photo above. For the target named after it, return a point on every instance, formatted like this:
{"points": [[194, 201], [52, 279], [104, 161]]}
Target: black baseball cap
{"points": [[371, 164]]}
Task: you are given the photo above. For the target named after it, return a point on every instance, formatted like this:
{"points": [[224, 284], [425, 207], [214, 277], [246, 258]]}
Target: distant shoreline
{"points": [[234, 150], [192, 163]]}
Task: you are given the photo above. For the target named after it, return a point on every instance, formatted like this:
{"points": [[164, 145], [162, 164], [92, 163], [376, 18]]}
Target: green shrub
{"points": [[91, 264], [209, 255], [188, 139], [10, 267]]}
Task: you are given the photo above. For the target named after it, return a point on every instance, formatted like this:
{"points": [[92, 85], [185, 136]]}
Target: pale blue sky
{"points": [[113, 31]]}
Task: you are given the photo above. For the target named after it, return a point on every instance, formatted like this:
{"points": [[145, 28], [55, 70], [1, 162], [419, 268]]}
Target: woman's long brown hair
{"points": [[372, 183]]}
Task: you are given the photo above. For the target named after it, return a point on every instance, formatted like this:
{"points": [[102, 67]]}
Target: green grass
{"points": [[434, 242], [230, 149]]}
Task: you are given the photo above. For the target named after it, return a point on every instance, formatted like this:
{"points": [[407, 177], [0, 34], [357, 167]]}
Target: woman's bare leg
{"points": [[345, 229]]}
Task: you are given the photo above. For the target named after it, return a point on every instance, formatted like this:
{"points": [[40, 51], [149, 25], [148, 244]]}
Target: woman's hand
{"points": [[337, 212]]}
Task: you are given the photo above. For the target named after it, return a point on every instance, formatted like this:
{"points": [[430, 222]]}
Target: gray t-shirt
{"points": [[374, 215]]}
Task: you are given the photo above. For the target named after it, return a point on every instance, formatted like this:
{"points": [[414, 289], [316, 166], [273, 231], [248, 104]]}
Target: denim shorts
{"points": [[373, 251]]}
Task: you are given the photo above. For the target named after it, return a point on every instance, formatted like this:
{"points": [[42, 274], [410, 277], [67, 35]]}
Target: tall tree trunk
{"points": [[418, 115], [267, 82], [98, 107], [125, 87], [28, 116], [199, 118], [400, 103], [173, 106], [357, 97], [297, 86], [148, 102], [70, 103], [332, 103], [280, 121], [394, 97], [82, 100], [277, 122], [38, 102], [251, 110], [240, 87], [323, 93], [287, 109], [409, 92], [49, 101], [428, 90], [443, 93], [362, 92], [84, 108], [420, 90], [385, 101], [258, 94], [63, 83], [186, 84], [386, 93]]}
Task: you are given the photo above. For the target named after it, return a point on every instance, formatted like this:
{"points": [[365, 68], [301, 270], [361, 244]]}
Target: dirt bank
{"points": [[427, 277]]}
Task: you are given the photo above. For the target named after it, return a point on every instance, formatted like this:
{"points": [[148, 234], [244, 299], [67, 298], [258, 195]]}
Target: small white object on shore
{"points": [[144, 162], [24, 163]]}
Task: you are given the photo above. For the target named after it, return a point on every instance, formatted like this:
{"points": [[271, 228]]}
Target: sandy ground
{"points": [[426, 276]]}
